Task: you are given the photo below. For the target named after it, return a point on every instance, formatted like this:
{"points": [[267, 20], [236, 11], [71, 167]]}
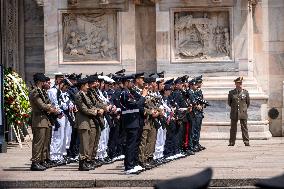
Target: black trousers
{"points": [[113, 141], [74, 144], [170, 146], [131, 148]]}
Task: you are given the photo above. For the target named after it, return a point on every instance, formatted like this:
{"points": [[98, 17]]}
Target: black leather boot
{"points": [[37, 167], [83, 165]]}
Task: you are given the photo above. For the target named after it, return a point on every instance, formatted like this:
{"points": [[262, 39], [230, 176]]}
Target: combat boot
{"points": [[37, 167], [83, 165]]}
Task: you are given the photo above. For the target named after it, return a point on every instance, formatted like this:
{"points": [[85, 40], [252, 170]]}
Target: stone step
{"points": [[258, 130], [215, 183]]}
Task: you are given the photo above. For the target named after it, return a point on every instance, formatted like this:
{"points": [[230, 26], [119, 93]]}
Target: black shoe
{"points": [[196, 149], [46, 164], [84, 165], [37, 167], [90, 165], [201, 147], [247, 144], [190, 152], [49, 163], [108, 160], [60, 162], [231, 144], [67, 159]]}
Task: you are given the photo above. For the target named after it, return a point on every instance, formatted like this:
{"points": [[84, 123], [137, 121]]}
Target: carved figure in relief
{"points": [[89, 37], [201, 35], [218, 38], [191, 45], [73, 45], [72, 2], [227, 41]]}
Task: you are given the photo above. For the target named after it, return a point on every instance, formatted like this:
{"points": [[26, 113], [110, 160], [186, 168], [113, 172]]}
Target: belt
{"points": [[129, 111]]}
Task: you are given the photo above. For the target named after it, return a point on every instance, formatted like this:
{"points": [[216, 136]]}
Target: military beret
{"points": [[170, 81], [193, 81], [47, 78], [66, 82], [139, 75], [161, 74], [120, 72], [198, 181], [184, 78], [92, 78], [167, 87], [127, 78], [154, 75], [39, 77], [117, 78], [239, 80], [72, 76], [274, 182], [149, 79], [178, 80], [82, 81], [78, 76], [199, 79]]}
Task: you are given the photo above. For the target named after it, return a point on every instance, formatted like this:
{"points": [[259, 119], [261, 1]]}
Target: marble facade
{"points": [[196, 37]]}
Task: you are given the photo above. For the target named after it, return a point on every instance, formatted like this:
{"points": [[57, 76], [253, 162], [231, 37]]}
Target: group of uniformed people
{"points": [[96, 120]]}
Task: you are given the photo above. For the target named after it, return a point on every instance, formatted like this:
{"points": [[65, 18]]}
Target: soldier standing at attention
{"points": [[131, 122], [85, 125], [41, 107], [239, 101]]}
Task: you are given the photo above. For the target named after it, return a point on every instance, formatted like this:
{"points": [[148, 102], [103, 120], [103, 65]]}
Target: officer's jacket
{"points": [[179, 99], [131, 107], [116, 98], [40, 106], [239, 102], [86, 111]]}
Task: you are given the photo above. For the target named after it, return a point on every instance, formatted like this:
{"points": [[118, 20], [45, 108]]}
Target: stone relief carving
{"points": [[200, 35], [72, 2], [89, 37]]}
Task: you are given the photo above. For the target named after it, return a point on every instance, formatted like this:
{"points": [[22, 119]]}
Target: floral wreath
{"points": [[17, 106]]}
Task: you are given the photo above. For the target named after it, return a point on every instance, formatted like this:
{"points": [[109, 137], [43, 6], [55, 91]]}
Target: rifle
{"points": [[51, 117]]}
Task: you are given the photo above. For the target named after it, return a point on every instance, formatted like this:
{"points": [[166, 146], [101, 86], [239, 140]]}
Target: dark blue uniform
{"points": [[198, 118], [74, 142], [131, 120], [171, 142], [114, 142], [180, 102]]}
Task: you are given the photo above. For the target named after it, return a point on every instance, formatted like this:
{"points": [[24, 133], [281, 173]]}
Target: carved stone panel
{"points": [[201, 35], [89, 37]]}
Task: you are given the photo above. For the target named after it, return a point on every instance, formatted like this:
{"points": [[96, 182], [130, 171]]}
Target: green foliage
{"points": [[16, 99]]}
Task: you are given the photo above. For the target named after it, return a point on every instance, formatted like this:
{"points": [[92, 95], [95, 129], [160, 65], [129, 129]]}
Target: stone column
{"points": [[273, 50], [12, 52]]}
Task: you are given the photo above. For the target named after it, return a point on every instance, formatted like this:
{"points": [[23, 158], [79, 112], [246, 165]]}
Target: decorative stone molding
{"points": [[10, 34], [252, 4], [201, 35], [88, 37]]}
